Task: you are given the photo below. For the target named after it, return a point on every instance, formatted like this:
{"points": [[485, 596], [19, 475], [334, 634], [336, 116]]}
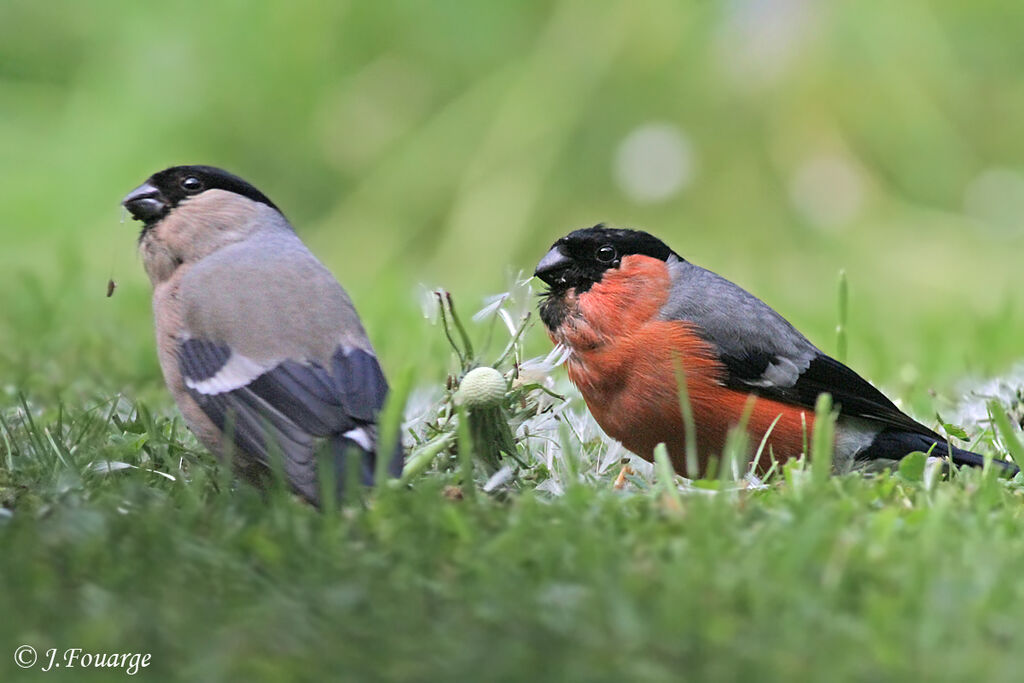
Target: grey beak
{"points": [[145, 203], [551, 265]]}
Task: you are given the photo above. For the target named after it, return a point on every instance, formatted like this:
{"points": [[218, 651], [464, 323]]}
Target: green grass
{"points": [[448, 143], [901, 575], [890, 578]]}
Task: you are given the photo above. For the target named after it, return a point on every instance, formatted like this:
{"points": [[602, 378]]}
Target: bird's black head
{"points": [[580, 259], [163, 191]]}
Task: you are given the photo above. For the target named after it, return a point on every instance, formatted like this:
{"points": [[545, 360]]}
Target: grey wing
{"points": [[765, 355], [291, 406], [268, 297], [758, 346]]}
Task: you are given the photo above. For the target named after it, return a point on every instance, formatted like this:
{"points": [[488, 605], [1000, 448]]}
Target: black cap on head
{"points": [[580, 258], [163, 191]]}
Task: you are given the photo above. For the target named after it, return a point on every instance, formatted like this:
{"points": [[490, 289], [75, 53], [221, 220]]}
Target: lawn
{"points": [[446, 145]]}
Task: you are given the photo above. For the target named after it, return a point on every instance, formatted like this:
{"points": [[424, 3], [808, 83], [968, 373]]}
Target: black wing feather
{"points": [[300, 393], [202, 360], [359, 383], [851, 393], [295, 404]]}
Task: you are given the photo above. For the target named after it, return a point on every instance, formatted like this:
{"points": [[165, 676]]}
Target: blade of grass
{"points": [[570, 455], [844, 296], [327, 478], [352, 485], [33, 431], [465, 442], [8, 438], [279, 487], [389, 423], [689, 425], [736, 441], [1006, 433], [57, 450], [421, 459], [764, 442], [822, 438], [666, 477]]}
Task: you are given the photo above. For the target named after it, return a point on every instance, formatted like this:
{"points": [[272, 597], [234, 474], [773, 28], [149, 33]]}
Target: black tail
{"points": [[962, 457], [892, 444]]}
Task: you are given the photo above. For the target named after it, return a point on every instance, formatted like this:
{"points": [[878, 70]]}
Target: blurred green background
{"points": [[447, 142]]}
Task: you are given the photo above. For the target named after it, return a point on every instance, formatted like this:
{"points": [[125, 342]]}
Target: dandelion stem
{"points": [[447, 331], [458, 326]]}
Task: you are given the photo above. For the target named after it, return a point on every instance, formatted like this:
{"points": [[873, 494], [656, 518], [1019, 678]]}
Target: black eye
{"points": [[191, 184], [606, 253]]}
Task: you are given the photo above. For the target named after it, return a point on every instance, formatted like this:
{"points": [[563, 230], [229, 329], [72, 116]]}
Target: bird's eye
{"points": [[191, 184], [606, 253]]}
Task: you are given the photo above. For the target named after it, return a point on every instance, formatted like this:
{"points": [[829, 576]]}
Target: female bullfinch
{"points": [[632, 311], [255, 337]]}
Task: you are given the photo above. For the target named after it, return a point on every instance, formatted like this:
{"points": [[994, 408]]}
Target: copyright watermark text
{"points": [[76, 658]]}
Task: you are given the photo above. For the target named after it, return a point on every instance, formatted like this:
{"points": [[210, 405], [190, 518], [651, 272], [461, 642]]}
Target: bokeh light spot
{"points": [[996, 198], [828, 191], [654, 162]]}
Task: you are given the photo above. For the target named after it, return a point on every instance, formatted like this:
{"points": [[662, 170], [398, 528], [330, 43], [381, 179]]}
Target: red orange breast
{"points": [[624, 363]]}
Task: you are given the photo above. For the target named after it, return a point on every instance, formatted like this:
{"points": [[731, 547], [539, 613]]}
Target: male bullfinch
{"points": [[631, 311], [256, 339]]}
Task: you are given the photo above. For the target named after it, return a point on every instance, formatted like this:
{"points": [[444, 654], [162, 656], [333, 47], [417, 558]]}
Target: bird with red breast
{"points": [[634, 313]]}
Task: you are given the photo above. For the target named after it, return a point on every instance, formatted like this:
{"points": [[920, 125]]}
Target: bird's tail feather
{"points": [[962, 457], [893, 444]]}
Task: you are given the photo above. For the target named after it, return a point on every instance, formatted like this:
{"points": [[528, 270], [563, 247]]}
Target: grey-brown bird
{"points": [[255, 337]]}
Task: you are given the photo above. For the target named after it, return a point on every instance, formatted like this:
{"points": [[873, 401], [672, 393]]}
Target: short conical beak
{"points": [[553, 263], [145, 203]]}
